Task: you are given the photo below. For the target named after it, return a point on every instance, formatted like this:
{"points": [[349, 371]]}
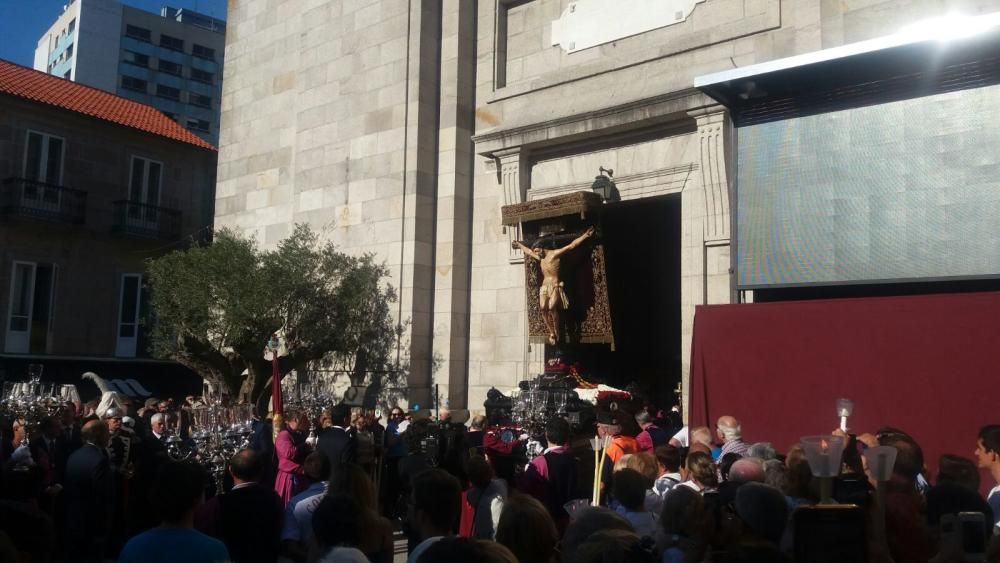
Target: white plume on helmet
{"points": [[98, 380], [110, 400]]}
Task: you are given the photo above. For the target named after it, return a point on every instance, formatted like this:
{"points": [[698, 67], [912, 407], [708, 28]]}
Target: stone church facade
{"points": [[401, 127]]}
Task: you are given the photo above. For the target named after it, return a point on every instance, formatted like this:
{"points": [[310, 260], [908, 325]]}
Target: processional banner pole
{"points": [[277, 408]]}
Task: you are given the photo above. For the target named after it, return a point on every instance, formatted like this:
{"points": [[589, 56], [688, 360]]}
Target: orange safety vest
{"points": [[620, 446]]}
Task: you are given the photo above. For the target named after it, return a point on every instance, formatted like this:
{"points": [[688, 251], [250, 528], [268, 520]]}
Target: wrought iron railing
{"points": [[38, 200], [140, 220]]}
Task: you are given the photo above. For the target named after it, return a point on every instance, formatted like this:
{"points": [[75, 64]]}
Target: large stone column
{"points": [[453, 250], [706, 272], [416, 292]]}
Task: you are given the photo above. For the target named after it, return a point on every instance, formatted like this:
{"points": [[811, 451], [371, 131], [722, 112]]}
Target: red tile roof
{"points": [[23, 82]]}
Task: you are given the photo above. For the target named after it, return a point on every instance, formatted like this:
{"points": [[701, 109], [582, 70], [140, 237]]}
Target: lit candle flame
{"points": [[824, 445]]}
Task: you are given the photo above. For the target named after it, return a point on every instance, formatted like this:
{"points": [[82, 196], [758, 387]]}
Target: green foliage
{"points": [[217, 305]]}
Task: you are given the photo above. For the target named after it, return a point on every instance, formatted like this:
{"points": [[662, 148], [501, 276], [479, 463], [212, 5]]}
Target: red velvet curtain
{"points": [[929, 365]]}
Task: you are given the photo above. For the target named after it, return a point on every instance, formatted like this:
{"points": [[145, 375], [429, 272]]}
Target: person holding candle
{"points": [[904, 503]]}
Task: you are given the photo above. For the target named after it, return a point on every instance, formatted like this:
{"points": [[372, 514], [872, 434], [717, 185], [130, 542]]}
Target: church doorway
{"points": [[642, 245]]}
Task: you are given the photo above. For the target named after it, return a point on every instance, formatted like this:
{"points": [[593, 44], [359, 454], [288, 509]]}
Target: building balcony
{"points": [[20, 197], [138, 220]]}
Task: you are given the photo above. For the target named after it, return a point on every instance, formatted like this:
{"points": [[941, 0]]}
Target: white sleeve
{"points": [[682, 437], [496, 507]]}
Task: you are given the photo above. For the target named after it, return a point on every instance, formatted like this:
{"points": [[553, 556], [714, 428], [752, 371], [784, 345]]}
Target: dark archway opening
{"points": [[642, 241]]}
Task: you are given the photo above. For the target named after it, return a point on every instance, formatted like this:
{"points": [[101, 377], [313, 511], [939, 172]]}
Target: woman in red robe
{"points": [[291, 449]]}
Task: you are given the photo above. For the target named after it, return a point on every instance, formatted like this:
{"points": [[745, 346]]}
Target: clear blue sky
{"points": [[22, 22]]}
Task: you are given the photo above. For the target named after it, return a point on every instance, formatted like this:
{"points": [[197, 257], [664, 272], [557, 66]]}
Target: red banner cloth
{"points": [[929, 365]]}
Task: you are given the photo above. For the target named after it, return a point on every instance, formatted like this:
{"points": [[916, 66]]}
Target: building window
{"points": [[137, 59], [172, 43], [128, 316], [134, 84], [69, 51], [170, 68], [198, 125], [135, 32], [72, 25], [202, 76], [68, 75], [200, 101], [203, 52], [168, 92], [32, 307], [43, 159]]}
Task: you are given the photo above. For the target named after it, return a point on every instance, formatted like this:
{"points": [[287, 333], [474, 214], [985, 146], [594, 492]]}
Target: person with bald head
{"points": [[730, 433], [89, 495], [248, 519], [746, 470]]}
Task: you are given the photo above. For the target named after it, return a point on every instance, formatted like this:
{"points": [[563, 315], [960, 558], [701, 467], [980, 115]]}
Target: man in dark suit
{"points": [[335, 441], [151, 456], [248, 518], [89, 494]]}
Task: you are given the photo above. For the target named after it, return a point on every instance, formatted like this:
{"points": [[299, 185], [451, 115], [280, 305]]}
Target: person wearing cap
{"points": [[122, 448], [609, 424]]}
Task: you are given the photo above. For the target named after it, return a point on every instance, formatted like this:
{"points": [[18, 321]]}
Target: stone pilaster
{"points": [[514, 175], [705, 234]]}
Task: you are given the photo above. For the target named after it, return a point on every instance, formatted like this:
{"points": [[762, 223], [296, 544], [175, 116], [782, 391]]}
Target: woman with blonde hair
{"points": [[702, 476]]}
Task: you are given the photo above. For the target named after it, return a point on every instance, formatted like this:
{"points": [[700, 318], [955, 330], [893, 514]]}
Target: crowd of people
{"points": [[97, 484]]}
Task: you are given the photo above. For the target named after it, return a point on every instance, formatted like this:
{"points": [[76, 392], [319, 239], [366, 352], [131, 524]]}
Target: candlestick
{"points": [[845, 407], [595, 443]]}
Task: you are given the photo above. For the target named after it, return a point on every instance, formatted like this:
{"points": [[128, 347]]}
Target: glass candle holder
{"points": [[823, 454], [881, 461], [845, 407]]}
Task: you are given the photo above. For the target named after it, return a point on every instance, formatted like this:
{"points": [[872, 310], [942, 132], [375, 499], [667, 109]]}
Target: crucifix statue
{"points": [[551, 296]]}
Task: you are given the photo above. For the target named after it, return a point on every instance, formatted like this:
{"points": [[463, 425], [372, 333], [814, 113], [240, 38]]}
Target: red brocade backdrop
{"points": [[929, 365]]}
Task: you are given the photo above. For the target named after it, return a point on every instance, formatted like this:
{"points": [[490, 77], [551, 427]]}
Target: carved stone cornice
{"points": [[661, 181], [663, 108]]}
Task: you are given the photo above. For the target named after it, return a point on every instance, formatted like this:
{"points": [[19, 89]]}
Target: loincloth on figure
{"points": [[546, 291]]}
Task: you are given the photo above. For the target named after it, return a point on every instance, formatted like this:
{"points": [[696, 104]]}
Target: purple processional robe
{"points": [[288, 466]]}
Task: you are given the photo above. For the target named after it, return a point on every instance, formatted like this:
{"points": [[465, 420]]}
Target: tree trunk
{"points": [[260, 372]]}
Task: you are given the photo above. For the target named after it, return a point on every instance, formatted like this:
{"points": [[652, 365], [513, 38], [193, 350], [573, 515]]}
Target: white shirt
{"points": [[420, 549], [682, 437]]}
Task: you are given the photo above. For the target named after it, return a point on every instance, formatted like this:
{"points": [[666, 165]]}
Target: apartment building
{"points": [[91, 185], [171, 60]]}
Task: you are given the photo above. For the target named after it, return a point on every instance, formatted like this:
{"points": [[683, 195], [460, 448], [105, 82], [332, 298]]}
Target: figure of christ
{"points": [[551, 296]]}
